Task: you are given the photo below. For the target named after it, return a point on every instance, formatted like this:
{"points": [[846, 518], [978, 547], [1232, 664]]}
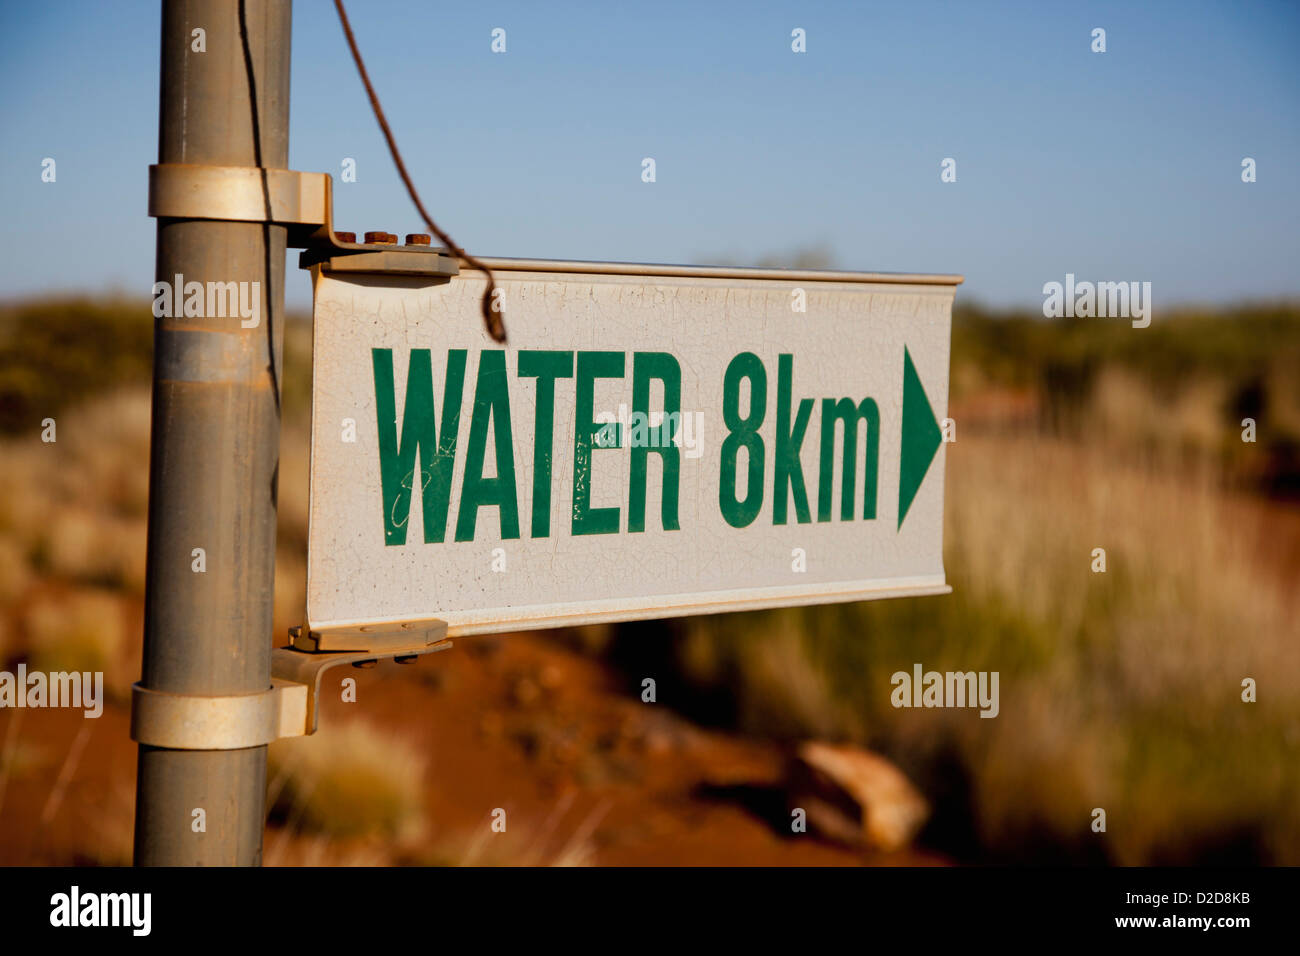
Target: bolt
{"points": [[407, 658], [417, 239], [345, 236], [383, 238], [364, 665]]}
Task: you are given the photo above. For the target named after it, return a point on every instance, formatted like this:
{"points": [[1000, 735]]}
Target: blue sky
{"points": [[1116, 166]]}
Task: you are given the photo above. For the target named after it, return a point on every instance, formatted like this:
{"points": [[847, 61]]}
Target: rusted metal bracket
{"points": [[288, 708], [304, 669], [301, 202]]}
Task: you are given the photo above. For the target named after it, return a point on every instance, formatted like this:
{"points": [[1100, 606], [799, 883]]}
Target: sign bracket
{"points": [[304, 669], [379, 638], [288, 708], [301, 202]]}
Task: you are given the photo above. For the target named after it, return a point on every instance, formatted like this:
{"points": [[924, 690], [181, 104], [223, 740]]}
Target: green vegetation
{"points": [[1237, 344], [1179, 389], [56, 353]]}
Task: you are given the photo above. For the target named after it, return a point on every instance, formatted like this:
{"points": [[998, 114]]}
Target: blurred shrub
{"points": [[80, 630], [76, 508], [1178, 389], [1118, 690], [348, 780], [56, 352], [15, 574], [1235, 342]]}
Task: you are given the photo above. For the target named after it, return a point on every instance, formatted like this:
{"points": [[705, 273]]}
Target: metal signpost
{"points": [[214, 450], [655, 441]]}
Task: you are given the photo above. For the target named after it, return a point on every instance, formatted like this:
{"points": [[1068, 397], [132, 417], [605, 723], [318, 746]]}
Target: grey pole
{"points": [[214, 452]]}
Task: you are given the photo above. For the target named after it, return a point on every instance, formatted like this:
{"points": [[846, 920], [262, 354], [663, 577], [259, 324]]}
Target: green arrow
{"points": [[921, 437]]}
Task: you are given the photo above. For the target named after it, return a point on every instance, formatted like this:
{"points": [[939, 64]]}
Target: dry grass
{"points": [[75, 508], [19, 754], [110, 830], [317, 850], [1119, 690], [563, 838], [349, 780], [15, 574], [291, 512], [1137, 705], [781, 691], [81, 630], [1125, 414]]}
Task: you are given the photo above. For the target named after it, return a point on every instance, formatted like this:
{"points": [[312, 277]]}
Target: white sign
{"points": [[653, 441]]}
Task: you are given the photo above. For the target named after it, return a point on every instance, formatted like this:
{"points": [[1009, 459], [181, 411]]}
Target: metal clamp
{"points": [[288, 708], [233, 722], [238, 194], [302, 202]]}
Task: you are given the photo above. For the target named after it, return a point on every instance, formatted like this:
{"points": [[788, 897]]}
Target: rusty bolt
{"points": [[345, 236], [380, 237], [407, 658], [365, 665], [417, 239]]}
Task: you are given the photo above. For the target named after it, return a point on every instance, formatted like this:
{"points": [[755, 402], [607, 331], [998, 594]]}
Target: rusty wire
{"points": [[493, 320]]}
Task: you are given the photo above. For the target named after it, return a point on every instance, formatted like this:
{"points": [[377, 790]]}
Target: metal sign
{"points": [[654, 441]]}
